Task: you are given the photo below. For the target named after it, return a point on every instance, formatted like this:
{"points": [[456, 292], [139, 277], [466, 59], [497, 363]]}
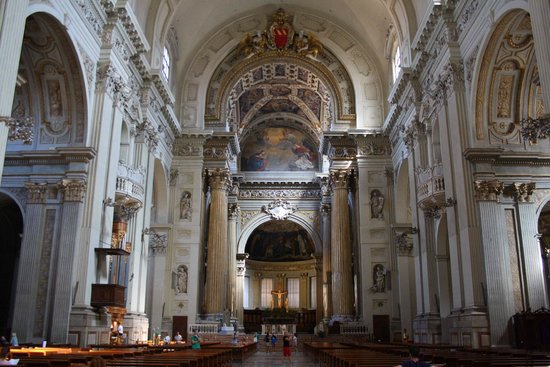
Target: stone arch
{"points": [[402, 194], [354, 58], [52, 93], [160, 209], [11, 230], [262, 218], [505, 82]]}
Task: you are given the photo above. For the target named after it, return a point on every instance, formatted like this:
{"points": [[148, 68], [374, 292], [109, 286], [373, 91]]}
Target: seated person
{"points": [[414, 359]]}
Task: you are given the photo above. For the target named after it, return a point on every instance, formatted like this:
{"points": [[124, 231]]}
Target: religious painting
{"points": [[279, 149], [248, 99], [279, 240], [312, 100]]}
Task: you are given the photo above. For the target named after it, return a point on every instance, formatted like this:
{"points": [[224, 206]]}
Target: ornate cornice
{"points": [[59, 156], [371, 143], [488, 190], [501, 157]]}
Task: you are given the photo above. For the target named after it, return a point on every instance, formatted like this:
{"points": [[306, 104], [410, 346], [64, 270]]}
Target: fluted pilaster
{"points": [[217, 264], [528, 220], [327, 275], [233, 213], [340, 254], [73, 196], [540, 23], [25, 301], [499, 285]]}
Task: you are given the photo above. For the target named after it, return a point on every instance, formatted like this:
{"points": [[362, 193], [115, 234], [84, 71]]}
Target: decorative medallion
{"points": [[279, 209]]}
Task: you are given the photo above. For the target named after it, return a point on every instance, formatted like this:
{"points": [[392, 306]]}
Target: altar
{"points": [[279, 322], [279, 328]]}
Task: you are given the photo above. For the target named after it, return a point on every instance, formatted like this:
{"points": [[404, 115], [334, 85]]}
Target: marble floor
{"points": [[275, 359]]}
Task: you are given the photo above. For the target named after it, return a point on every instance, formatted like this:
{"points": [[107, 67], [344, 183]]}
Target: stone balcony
{"points": [[430, 186], [130, 184]]}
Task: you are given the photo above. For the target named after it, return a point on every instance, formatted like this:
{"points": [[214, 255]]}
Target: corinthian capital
{"points": [[36, 192], [488, 190], [341, 179], [73, 190], [219, 179], [522, 191]]}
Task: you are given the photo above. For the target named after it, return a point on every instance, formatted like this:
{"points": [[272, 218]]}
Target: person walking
{"points": [[273, 341], [286, 348], [267, 341]]}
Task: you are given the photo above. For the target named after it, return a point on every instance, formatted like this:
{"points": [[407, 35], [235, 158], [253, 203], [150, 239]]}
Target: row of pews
{"points": [[212, 354], [364, 354]]}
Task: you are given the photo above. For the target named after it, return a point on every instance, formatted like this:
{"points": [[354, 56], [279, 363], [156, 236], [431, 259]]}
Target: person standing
{"points": [[14, 342], [286, 347], [295, 341], [195, 341], [273, 341]]}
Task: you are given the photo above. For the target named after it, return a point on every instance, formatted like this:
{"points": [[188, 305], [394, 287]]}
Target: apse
{"points": [[280, 241]]}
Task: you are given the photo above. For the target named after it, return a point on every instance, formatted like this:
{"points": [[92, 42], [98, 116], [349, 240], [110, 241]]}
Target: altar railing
{"points": [[353, 328], [203, 328]]}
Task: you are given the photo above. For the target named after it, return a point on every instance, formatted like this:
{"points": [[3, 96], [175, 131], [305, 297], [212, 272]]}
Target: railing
{"points": [[353, 328], [130, 182], [203, 328], [430, 183]]}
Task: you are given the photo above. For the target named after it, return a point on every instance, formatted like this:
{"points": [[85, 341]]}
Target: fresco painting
{"points": [[279, 149], [279, 241]]}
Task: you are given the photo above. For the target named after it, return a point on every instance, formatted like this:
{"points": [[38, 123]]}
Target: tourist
{"points": [[414, 359], [195, 341], [267, 341], [14, 342], [273, 341], [295, 341], [235, 340], [167, 339], [178, 338], [286, 347]]}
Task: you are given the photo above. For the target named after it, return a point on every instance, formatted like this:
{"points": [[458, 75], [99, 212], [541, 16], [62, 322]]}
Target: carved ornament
{"points": [[20, 128], [36, 192], [488, 190], [73, 190], [278, 209]]}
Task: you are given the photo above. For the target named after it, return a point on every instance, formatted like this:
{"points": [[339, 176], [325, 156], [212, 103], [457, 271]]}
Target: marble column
{"points": [[12, 28], [499, 284], [528, 229], [157, 250], [73, 196], [540, 23], [326, 279], [256, 286], [31, 246], [239, 287], [216, 263], [233, 213], [304, 290], [340, 259]]}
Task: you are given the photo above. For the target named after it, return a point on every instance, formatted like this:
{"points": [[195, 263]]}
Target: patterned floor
{"points": [[275, 359]]}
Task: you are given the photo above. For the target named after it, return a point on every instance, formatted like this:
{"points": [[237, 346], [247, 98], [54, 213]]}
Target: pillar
{"points": [[73, 196], [499, 284], [528, 235], [540, 23], [326, 279], [239, 287], [216, 263], [340, 259], [233, 213], [11, 39], [304, 290], [31, 246]]}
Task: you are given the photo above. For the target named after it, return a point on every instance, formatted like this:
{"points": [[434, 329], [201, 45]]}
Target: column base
{"points": [[468, 327], [427, 329], [89, 325], [136, 327]]}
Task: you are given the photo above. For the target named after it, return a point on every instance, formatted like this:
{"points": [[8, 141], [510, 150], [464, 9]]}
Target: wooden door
{"points": [[179, 323], [381, 328]]}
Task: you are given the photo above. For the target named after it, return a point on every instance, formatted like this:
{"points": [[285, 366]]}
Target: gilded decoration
{"points": [[488, 190], [280, 36], [507, 64]]}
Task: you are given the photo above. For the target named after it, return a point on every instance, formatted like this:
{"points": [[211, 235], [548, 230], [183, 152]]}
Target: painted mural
{"points": [[279, 149], [280, 240]]}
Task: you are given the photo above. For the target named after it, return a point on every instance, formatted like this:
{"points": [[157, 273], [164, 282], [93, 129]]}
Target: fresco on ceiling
{"points": [[312, 100], [279, 105], [248, 99], [279, 240], [279, 149]]}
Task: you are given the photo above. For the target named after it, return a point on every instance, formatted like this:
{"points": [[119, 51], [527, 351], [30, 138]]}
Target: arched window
{"points": [[166, 63], [396, 62]]}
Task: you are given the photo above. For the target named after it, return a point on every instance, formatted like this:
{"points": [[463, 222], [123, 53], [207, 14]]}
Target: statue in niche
{"points": [[379, 278], [376, 204], [54, 89], [185, 206], [181, 279]]}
